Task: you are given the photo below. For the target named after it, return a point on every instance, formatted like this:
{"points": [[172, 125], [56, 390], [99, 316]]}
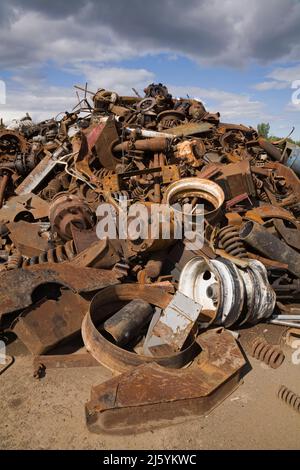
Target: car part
{"points": [[289, 397], [227, 293]]}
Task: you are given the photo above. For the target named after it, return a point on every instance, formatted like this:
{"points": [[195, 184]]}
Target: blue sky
{"points": [[238, 58]]}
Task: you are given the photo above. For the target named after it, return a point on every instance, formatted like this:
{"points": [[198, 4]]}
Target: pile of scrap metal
{"points": [[170, 322]]}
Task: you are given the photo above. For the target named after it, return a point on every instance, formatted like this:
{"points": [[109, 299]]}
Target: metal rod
{"points": [[284, 323]]}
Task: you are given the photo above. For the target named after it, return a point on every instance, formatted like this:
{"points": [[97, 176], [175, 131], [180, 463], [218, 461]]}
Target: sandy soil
{"points": [[49, 413]]}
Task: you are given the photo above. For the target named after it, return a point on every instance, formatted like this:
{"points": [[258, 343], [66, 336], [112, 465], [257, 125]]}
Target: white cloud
{"points": [[271, 85], [209, 31], [117, 79], [232, 106], [31, 93], [280, 78]]}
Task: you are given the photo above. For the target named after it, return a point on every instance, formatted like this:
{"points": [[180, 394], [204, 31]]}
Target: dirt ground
{"points": [[49, 413]]}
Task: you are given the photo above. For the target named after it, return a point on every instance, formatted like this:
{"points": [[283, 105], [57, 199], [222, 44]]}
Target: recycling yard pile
{"points": [[163, 238]]}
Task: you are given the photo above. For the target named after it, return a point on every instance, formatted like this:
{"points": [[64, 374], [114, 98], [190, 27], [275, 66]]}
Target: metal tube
{"points": [[270, 149], [126, 324], [267, 244], [157, 144], [284, 323], [148, 133], [286, 317]]}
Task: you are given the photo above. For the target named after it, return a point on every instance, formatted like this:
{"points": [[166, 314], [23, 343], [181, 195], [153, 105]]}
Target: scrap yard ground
{"points": [[49, 413]]}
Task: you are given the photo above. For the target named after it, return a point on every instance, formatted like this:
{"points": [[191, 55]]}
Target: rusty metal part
{"points": [[40, 172], [24, 206], [109, 300], [292, 337], [185, 153], [264, 242], [152, 396], [157, 144], [267, 211], [64, 361], [291, 179], [152, 268], [229, 240], [67, 210], [14, 260], [191, 128], [291, 234], [27, 238], [126, 324], [265, 352], [3, 184], [99, 254], [207, 193], [236, 179], [289, 397], [104, 143], [17, 286], [44, 325], [58, 254], [12, 142], [52, 188], [169, 118], [270, 149]]}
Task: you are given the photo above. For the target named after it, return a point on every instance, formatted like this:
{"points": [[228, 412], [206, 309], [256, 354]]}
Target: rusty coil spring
{"points": [[51, 189], [59, 254], [100, 174], [14, 260], [264, 197], [118, 195], [138, 192], [229, 240], [271, 355], [289, 397]]}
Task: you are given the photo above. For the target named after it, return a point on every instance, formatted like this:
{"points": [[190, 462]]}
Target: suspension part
{"points": [[138, 192], [100, 174], [14, 260], [265, 352], [289, 397], [67, 210], [230, 241], [121, 195], [59, 254], [53, 187]]}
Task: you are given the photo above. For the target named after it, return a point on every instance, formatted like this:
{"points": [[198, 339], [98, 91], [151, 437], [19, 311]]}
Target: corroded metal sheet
{"points": [[151, 396]]}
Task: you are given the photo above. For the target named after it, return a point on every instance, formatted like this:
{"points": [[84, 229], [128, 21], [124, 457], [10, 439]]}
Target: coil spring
{"points": [[289, 397], [137, 192], [14, 260], [103, 172], [51, 189], [271, 355], [59, 254], [118, 195], [264, 197], [229, 240]]}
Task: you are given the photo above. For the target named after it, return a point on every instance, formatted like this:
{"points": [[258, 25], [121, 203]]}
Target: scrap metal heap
{"points": [[155, 311]]}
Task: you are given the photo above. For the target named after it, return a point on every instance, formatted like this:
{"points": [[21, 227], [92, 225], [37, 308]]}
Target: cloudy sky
{"points": [[239, 57]]}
